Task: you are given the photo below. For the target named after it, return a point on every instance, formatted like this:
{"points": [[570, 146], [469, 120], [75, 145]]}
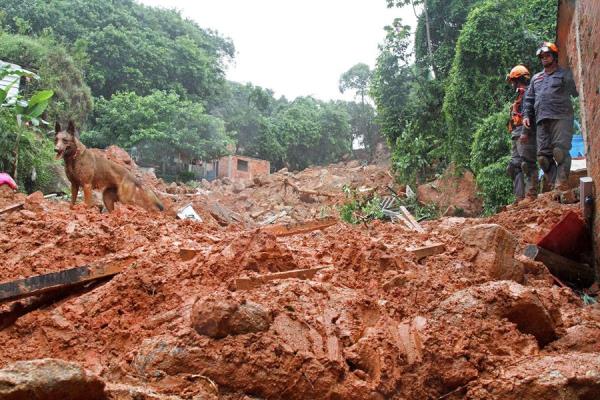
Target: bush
{"points": [[36, 153], [495, 186], [490, 142], [360, 207]]}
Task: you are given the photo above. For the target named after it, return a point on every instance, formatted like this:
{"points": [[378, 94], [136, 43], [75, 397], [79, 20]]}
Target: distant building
{"points": [[241, 167]]}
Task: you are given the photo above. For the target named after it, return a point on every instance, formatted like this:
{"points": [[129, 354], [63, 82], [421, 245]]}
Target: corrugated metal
{"points": [[8, 80]]}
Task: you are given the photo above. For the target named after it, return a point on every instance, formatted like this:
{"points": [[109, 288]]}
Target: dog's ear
{"points": [[57, 127], [71, 128]]}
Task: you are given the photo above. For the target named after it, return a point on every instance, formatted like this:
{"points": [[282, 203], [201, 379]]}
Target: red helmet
{"points": [[547, 47]]}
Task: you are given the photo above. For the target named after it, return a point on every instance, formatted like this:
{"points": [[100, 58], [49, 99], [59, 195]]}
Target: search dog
{"points": [[90, 169]]}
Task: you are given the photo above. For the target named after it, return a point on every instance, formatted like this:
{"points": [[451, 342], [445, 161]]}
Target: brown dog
{"points": [[90, 169]]}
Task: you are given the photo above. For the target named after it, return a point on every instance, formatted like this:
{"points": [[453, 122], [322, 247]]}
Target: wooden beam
{"points": [[563, 268], [20, 205], [426, 251], [13, 207], [256, 281], [300, 227], [39, 284], [411, 219]]}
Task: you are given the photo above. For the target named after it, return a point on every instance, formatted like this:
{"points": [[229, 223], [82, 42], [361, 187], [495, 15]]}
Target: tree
{"points": [[356, 78], [130, 47], [58, 71], [487, 48], [158, 128]]}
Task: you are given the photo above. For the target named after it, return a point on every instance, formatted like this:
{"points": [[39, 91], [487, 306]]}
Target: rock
{"points": [[496, 251], [584, 338], [568, 376], [220, 318], [34, 201], [502, 299], [238, 187], [49, 379], [455, 191]]}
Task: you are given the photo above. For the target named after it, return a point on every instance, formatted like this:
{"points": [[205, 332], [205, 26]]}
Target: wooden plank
{"points": [[256, 281], [13, 207], [426, 251], [563, 268], [18, 206], [39, 284], [300, 227], [411, 219], [397, 217]]}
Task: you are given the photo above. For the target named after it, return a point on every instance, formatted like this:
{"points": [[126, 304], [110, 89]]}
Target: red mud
{"points": [[443, 328]]}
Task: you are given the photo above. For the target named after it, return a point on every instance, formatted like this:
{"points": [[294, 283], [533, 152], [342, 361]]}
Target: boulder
{"points": [[221, 318], [495, 251], [49, 379], [502, 299], [457, 192]]}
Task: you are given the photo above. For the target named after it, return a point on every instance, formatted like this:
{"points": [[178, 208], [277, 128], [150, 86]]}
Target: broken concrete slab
{"points": [[496, 251], [49, 379]]}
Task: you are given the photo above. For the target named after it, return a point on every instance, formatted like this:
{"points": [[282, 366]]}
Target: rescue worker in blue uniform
{"points": [[548, 108]]}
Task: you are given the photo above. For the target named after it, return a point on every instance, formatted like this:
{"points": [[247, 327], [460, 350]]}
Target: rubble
{"points": [[330, 310]]}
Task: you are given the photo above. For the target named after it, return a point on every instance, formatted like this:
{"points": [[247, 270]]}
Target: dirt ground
{"points": [[477, 321]]}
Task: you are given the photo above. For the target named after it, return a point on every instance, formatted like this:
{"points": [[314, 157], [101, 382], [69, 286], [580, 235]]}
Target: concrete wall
{"points": [[239, 167], [578, 38]]}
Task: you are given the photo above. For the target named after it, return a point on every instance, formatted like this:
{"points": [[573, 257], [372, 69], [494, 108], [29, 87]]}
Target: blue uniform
{"points": [[548, 106]]}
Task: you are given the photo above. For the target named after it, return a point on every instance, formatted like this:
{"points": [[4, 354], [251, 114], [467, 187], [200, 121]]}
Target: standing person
{"points": [[548, 108], [521, 168]]}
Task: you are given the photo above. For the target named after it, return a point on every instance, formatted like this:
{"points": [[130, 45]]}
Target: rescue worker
{"points": [[548, 108], [521, 168]]}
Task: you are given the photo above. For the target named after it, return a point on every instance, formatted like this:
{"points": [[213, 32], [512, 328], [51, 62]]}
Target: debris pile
{"points": [[235, 308]]}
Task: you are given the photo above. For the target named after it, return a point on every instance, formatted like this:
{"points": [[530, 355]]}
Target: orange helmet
{"points": [[547, 47], [519, 71]]}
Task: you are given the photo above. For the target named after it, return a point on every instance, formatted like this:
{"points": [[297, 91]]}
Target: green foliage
{"points": [[130, 47], [159, 128], [495, 186], [362, 124], [445, 19], [360, 207], [23, 151], [420, 210], [496, 36], [312, 132], [59, 73], [491, 141], [356, 78]]}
